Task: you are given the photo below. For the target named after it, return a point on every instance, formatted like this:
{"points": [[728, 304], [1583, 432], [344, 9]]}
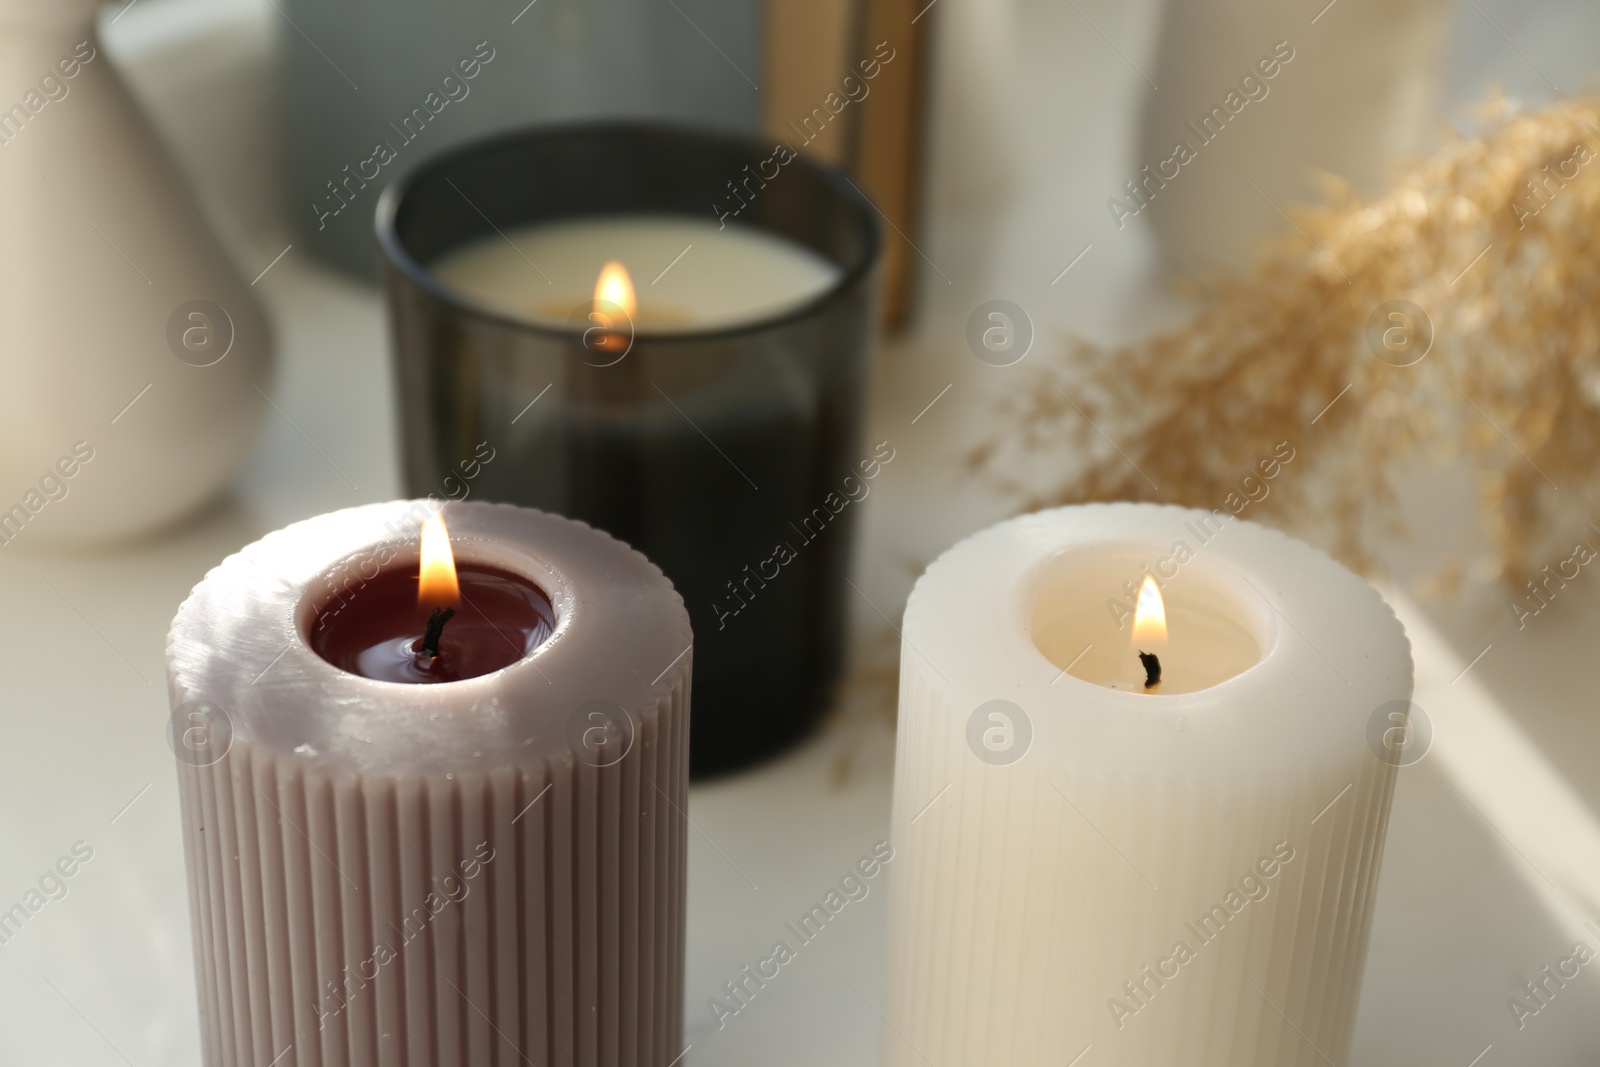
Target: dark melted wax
{"points": [[375, 629]]}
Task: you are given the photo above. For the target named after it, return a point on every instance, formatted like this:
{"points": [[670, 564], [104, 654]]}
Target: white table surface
{"points": [[1493, 860]]}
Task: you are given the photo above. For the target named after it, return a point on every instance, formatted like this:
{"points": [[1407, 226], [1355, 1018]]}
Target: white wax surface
{"points": [[1183, 879], [1213, 634], [725, 277]]}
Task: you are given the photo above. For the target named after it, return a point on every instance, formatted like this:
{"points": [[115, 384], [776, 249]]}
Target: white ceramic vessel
{"points": [[133, 350], [1353, 89]]}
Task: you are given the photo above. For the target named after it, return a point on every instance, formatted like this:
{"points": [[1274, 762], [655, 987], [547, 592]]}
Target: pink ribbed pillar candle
{"points": [[469, 874]]}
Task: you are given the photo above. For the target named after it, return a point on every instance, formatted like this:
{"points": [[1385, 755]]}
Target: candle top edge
{"points": [[237, 643], [1337, 650]]}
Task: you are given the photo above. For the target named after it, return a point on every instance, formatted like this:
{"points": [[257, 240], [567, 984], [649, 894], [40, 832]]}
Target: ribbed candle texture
{"points": [[1165, 881], [433, 875]]}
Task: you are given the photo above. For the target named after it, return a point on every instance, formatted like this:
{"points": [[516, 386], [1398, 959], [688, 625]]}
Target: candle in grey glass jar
{"points": [[720, 449]]}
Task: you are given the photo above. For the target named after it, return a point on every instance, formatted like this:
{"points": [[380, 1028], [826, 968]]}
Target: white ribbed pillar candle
{"points": [[475, 873], [1174, 878]]}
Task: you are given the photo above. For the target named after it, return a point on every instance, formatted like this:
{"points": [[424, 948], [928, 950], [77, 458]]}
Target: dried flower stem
{"points": [[1496, 237]]}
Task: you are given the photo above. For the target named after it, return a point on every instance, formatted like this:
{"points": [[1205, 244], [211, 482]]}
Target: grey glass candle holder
{"points": [[722, 455]]}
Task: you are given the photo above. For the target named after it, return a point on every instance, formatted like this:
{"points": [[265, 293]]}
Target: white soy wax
{"points": [[690, 275], [1182, 875]]}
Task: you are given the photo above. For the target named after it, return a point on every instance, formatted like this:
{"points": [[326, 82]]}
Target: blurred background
{"points": [[995, 144]]}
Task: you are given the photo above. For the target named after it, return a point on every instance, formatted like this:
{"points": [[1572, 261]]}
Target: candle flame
{"points": [[436, 580], [615, 287], [1150, 619]]}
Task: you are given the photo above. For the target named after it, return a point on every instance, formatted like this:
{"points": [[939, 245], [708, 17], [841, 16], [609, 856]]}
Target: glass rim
{"points": [[400, 260]]}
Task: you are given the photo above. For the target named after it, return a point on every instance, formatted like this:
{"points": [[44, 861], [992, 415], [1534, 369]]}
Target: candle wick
{"points": [[1152, 669], [436, 620]]}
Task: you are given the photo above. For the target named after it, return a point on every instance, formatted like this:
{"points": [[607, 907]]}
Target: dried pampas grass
{"points": [[1496, 238]]}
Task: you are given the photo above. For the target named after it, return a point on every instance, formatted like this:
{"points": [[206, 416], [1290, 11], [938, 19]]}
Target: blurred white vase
{"points": [[132, 347], [1360, 93]]}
